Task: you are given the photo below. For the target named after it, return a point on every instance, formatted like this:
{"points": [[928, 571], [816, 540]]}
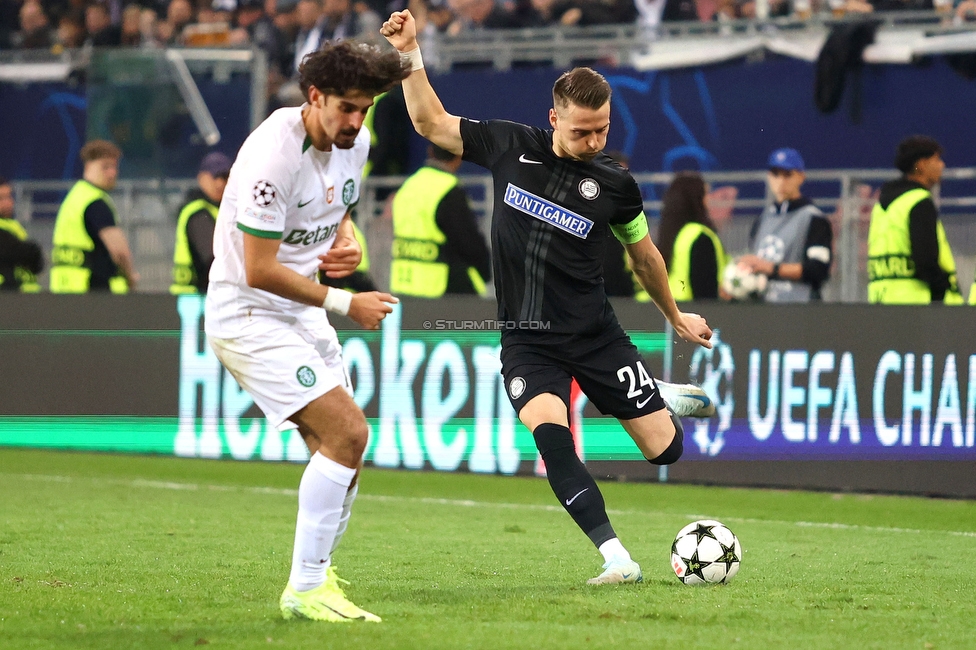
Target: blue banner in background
{"points": [[42, 130], [722, 117], [731, 116], [44, 125]]}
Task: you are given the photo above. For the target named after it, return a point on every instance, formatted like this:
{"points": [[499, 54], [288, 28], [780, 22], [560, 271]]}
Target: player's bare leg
{"points": [[547, 417], [658, 435], [335, 428]]}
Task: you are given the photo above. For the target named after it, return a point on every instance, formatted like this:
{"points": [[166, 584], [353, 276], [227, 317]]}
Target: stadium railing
{"points": [[147, 212]]}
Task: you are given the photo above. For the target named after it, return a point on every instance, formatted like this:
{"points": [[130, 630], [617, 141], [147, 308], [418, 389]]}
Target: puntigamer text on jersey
{"points": [[547, 211]]}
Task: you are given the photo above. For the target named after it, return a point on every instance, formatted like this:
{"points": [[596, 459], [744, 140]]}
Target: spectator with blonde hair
{"points": [[91, 252]]}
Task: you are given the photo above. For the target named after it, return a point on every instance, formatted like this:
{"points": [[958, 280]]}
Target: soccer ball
{"points": [[705, 552], [741, 283]]}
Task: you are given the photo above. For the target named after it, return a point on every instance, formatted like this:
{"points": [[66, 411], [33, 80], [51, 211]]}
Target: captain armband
{"points": [[631, 233]]}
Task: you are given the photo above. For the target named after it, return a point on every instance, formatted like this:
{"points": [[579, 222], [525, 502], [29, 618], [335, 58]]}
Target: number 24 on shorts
{"points": [[626, 374]]}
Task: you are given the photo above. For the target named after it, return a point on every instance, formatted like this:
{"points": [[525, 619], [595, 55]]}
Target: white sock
{"points": [[612, 548], [320, 495], [344, 519]]}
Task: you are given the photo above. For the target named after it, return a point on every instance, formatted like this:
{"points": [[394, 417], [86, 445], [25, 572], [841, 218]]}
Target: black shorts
{"points": [[607, 366]]}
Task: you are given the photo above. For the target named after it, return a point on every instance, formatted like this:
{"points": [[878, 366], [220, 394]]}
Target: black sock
{"points": [[572, 484]]}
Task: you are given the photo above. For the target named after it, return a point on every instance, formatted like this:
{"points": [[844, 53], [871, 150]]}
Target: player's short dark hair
{"points": [[581, 86], [3, 181], [99, 149], [345, 66], [915, 148], [438, 153]]}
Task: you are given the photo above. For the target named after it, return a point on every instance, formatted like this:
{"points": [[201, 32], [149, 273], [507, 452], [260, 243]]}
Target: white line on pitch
{"points": [[462, 503]]}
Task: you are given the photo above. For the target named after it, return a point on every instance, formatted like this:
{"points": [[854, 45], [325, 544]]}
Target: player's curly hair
{"points": [[581, 86], [345, 66]]}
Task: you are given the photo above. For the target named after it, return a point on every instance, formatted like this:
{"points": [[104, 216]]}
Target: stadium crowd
{"points": [[285, 29]]}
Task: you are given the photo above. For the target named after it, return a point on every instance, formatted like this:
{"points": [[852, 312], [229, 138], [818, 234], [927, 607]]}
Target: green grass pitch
{"points": [[102, 551]]}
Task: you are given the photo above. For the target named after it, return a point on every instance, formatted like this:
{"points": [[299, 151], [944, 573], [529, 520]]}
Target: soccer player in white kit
{"points": [[284, 217]]}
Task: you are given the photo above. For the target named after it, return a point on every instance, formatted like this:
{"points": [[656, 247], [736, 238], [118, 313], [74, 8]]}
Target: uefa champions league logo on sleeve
{"points": [[264, 193], [713, 371]]}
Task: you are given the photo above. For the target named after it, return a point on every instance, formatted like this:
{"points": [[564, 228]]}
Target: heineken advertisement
{"points": [[433, 396], [831, 384]]}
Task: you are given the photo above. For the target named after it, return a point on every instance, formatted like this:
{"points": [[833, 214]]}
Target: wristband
{"points": [[337, 301], [775, 274], [414, 57]]}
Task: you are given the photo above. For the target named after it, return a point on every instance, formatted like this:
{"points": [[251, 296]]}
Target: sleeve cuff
{"points": [[264, 234]]}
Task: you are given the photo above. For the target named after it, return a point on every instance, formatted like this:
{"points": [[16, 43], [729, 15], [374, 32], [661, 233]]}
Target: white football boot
{"points": [[618, 571], [687, 400]]}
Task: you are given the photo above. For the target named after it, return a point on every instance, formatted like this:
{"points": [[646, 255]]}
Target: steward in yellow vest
{"points": [[909, 259], [692, 251], [697, 262], [437, 245], [91, 253], [20, 259], [389, 145], [195, 225]]}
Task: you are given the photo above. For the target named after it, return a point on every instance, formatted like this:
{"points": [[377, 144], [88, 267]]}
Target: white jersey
{"points": [[280, 187]]}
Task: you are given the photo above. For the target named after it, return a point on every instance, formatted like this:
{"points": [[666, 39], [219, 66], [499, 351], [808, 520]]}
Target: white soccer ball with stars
{"points": [[741, 283], [705, 552]]}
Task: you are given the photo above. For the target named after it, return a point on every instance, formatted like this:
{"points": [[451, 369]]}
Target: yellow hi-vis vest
{"points": [[70, 260], [361, 238], [891, 269], [184, 275], [27, 281], [373, 139], [418, 268], [679, 275]]}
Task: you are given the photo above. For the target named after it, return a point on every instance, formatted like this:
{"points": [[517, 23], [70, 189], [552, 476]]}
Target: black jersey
{"points": [[549, 227]]}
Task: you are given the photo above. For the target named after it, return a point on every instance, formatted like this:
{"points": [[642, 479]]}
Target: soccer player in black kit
{"points": [[557, 197]]}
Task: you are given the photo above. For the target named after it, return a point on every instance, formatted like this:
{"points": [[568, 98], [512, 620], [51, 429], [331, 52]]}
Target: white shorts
{"points": [[284, 363]]}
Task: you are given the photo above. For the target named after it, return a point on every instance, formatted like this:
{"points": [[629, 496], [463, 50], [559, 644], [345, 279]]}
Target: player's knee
{"points": [[675, 449], [356, 433], [552, 437]]}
